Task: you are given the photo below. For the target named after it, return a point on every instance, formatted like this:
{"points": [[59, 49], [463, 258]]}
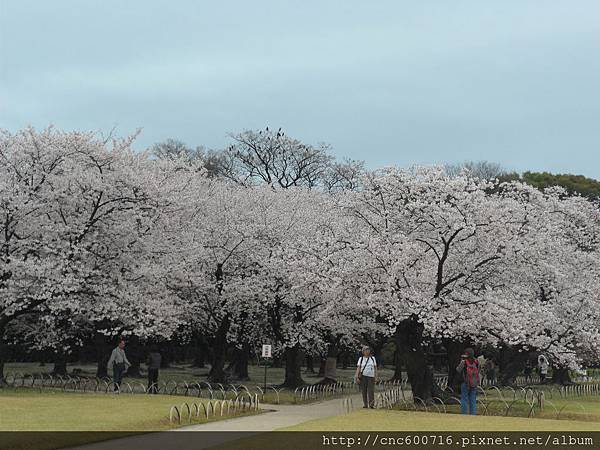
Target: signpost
{"points": [[266, 353]]}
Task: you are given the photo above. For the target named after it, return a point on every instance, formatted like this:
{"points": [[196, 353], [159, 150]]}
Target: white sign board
{"points": [[266, 351]]}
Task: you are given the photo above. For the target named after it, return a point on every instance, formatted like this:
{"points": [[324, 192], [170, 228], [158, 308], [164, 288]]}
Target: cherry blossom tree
{"points": [[75, 213], [309, 254], [434, 247]]}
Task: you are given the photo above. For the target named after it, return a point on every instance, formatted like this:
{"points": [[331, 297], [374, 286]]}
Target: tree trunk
{"points": [[60, 364], [322, 364], [217, 372], [293, 367], [345, 360], [397, 365], [330, 375], [198, 358], [310, 366], [511, 362], [2, 357], [167, 353], [561, 375], [454, 350], [135, 355], [200, 351], [240, 366], [102, 354], [409, 340], [277, 362], [377, 347]]}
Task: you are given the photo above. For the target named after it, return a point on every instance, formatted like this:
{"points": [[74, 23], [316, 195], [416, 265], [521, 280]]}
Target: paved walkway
{"points": [[278, 416]]}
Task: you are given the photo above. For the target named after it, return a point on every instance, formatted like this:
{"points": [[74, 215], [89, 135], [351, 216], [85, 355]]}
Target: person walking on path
{"points": [[119, 364], [366, 374], [153, 361], [469, 368]]}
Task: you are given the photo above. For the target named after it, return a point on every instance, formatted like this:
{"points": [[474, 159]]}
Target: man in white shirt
{"points": [[366, 374], [119, 363]]}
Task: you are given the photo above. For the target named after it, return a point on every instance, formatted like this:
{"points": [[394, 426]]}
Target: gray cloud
{"points": [[391, 82]]}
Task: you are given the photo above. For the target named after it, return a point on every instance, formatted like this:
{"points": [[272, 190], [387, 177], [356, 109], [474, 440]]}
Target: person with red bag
{"points": [[469, 368]]}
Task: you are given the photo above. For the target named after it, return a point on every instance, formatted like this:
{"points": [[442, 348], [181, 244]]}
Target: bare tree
{"points": [[343, 175], [273, 158], [484, 170], [173, 149]]}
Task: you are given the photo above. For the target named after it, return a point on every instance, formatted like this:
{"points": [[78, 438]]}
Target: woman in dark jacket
{"points": [[153, 361]]}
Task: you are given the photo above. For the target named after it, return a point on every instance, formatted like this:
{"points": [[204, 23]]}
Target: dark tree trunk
{"points": [[240, 366], [201, 351], [166, 351], [409, 340], [293, 367], [322, 364], [101, 369], [454, 350], [561, 375], [511, 362], [135, 355], [344, 357], [102, 355], [3, 357], [377, 347], [217, 372], [199, 358], [60, 364], [277, 362], [398, 363], [310, 367], [330, 375]]}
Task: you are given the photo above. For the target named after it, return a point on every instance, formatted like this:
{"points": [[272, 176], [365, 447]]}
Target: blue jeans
{"points": [[468, 400], [118, 371]]}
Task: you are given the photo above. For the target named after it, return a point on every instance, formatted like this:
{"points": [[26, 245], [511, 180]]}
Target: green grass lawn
{"points": [[184, 372], [407, 421], [100, 416], [514, 403], [181, 372], [29, 410], [386, 420]]}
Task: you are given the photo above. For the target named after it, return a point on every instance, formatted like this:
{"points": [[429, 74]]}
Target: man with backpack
{"points": [[366, 373], [469, 368]]}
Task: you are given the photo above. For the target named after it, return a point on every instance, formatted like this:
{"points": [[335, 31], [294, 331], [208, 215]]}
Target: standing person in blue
{"points": [[119, 364], [366, 374], [469, 368]]}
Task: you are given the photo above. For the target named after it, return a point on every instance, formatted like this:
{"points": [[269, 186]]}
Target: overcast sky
{"points": [[390, 82]]}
